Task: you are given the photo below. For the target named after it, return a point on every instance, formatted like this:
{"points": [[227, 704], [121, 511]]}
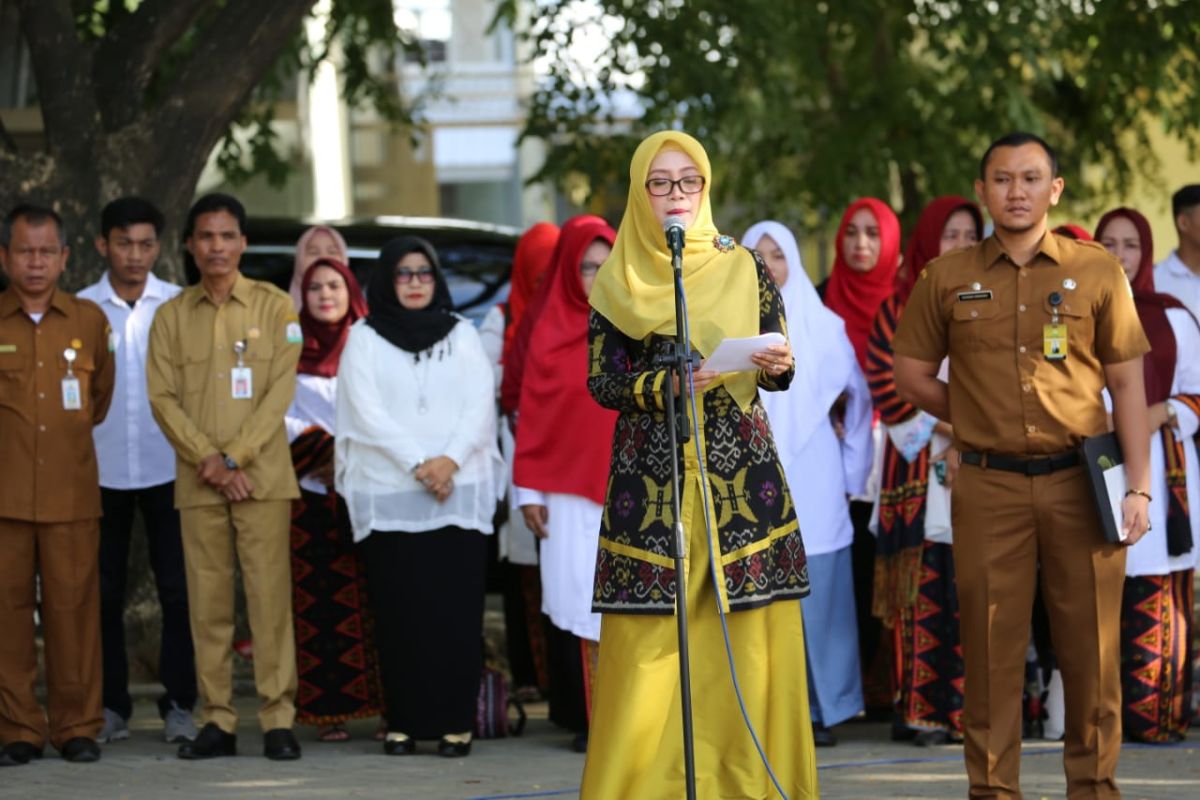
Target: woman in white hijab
{"points": [[823, 419]]}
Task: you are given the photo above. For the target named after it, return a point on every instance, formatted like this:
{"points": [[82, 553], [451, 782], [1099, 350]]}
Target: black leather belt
{"points": [[1039, 465]]}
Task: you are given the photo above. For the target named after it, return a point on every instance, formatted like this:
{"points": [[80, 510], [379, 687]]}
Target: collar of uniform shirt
{"points": [[993, 250], [10, 303], [240, 292]]}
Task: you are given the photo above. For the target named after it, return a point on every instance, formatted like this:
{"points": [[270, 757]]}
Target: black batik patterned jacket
{"points": [[760, 550]]}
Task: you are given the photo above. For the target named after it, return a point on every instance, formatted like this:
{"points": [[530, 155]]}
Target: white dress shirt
{"points": [[1173, 277], [131, 450]]}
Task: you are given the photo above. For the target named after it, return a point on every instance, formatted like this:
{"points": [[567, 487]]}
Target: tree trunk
{"points": [[97, 150]]}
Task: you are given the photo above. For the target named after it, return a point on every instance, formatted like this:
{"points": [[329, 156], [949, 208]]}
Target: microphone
{"points": [[674, 227]]}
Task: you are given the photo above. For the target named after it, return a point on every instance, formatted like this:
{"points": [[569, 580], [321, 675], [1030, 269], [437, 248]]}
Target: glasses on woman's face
{"points": [[589, 269], [661, 187], [423, 275]]}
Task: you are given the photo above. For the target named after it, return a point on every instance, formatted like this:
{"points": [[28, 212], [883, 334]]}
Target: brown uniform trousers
{"points": [[189, 371], [1005, 524], [49, 518]]}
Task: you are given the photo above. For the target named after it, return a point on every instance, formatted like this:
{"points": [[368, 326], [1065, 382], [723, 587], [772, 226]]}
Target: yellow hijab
{"points": [[634, 289]]}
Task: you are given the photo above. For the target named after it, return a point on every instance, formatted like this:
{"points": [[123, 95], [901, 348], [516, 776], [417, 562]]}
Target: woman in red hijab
{"points": [[914, 566], [864, 270], [1156, 606], [336, 665], [560, 471]]}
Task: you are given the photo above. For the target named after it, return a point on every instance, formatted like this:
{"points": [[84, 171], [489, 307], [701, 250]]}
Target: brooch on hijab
{"points": [[724, 243]]}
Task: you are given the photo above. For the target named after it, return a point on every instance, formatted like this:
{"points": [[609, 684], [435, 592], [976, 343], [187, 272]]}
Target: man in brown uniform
{"points": [[56, 381], [1023, 394], [221, 372]]}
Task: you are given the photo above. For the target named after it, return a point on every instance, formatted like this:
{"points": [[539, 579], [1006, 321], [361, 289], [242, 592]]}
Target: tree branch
{"points": [[62, 69], [232, 55], [129, 54]]}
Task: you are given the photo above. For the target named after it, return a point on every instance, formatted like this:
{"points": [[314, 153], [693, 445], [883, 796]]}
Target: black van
{"points": [[476, 256]]}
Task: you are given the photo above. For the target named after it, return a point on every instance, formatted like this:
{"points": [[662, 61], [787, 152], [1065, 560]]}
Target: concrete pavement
{"points": [[537, 765]]}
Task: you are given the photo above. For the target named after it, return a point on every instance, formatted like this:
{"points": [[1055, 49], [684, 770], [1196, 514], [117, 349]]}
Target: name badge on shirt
{"points": [[72, 398], [976, 294], [1054, 341], [242, 381]]}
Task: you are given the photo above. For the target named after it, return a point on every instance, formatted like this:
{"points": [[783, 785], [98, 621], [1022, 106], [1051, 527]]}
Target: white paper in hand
{"points": [[733, 355], [1115, 482]]}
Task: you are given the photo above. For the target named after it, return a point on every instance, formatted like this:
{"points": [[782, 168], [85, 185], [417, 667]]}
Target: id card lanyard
{"points": [[241, 376], [72, 397], [1054, 335]]}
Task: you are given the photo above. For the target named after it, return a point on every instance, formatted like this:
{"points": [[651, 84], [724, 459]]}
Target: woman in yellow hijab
{"points": [[636, 748]]}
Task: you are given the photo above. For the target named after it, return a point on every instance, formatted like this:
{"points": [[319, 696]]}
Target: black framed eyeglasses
{"points": [[661, 187], [423, 275]]}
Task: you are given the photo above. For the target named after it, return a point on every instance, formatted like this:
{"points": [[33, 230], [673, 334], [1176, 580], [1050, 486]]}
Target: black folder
{"points": [[1106, 472]]}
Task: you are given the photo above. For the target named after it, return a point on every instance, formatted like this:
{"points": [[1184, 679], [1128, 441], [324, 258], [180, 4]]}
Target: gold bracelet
{"points": [[1140, 493]]}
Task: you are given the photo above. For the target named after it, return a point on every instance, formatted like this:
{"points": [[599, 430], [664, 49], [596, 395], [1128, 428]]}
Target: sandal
{"points": [[333, 733]]}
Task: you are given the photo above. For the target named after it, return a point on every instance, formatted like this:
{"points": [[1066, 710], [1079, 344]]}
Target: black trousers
{"points": [[427, 593], [176, 660], [568, 693], [862, 559]]}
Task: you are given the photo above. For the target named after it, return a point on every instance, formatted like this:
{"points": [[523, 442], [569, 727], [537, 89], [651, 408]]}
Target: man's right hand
{"points": [[213, 472], [536, 518]]}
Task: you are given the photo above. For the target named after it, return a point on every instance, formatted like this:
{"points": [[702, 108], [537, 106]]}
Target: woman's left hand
{"points": [[437, 476], [775, 360]]}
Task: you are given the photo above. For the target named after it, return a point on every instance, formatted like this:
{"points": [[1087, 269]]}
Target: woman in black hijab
{"points": [[418, 467]]}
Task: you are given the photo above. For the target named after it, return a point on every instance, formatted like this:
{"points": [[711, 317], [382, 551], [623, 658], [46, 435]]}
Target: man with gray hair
{"points": [[56, 381]]}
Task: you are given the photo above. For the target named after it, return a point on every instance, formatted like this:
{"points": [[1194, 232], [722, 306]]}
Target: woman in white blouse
{"points": [[831, 459], [418, 467]]}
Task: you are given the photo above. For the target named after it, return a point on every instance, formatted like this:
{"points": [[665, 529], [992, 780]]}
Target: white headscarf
{"points": [[825, 360]]}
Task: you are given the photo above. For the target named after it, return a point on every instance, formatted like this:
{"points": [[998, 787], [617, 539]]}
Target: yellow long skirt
{"points": [[635, 748]]}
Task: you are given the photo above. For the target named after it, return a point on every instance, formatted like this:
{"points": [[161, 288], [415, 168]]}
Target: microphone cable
{"points": [[712, 562]]}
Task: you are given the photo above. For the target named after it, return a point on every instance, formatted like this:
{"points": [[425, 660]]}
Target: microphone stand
{"points": [[676, 359]]}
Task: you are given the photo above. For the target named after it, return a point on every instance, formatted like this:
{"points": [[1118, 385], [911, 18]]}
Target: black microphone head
{"points": [[674, 222]]}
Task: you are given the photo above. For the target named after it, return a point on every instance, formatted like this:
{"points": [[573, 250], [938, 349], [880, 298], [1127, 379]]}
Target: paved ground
{"points": [[539, 764]]}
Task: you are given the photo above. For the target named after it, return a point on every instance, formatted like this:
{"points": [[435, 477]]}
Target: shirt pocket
{"points": [[976, 325], [15, 377], [1076, 314], [260, 350]]}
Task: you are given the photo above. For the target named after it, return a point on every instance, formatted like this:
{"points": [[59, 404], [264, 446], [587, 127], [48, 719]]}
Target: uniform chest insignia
{"points": [[724, 243], [1069, 284]]}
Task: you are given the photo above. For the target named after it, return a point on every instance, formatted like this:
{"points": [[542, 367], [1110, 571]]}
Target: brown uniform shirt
{"points": [[47, 454], [977, 306], [189, 374]]}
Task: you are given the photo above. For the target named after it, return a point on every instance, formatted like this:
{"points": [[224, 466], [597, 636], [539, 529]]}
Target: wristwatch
{"points": [[229, 462], [1172, 417]]}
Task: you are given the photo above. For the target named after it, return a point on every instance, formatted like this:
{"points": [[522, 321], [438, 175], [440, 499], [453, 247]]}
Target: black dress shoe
{"points": [[280, 744], [822, 736], [934, 738], [209, 743], [18, 753], [450, 749], [399, 747], [901, 732], [80, 750]]}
